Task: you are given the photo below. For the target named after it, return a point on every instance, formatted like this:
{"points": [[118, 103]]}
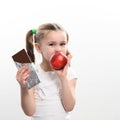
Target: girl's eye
{"points": [[51, 44], [62, 44]]}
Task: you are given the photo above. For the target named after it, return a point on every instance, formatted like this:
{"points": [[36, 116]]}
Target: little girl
{"points": [[54, 97]]}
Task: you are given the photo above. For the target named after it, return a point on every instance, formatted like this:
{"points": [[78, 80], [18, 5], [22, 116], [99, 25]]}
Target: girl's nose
{"points": [[57, 48]]}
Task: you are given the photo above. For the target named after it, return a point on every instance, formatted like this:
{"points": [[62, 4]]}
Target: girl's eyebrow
{"points": [[63, 41], [51, 41]]}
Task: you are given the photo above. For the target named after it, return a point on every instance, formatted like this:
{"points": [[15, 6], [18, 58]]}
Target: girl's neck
{"points": [[45, 66]]}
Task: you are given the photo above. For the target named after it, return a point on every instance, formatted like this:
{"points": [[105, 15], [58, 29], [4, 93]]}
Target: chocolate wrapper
{"points": [[21, 58]]}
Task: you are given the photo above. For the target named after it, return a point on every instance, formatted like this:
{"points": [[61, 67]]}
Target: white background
{"points": [[94, 30]]}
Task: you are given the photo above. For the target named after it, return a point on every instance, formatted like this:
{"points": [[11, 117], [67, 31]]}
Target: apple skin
{"points": [[58, 60]]}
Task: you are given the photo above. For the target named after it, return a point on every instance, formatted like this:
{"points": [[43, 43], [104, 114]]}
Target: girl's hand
{"points": [[63, 73], [22, 75]]}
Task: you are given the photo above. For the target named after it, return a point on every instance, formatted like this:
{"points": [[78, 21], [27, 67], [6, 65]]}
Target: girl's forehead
{"points": [[56, 35]]}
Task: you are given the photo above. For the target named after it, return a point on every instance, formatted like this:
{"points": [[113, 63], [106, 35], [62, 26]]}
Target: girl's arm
{"points": [[68, 94], [27, 96], [67, 88], [27, 101]]}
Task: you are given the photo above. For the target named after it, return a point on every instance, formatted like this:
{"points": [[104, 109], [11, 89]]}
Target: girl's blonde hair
{"points": [[41, 32]]}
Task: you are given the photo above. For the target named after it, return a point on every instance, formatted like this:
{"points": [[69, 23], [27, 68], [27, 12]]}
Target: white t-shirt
{"points": [[47, 96]]}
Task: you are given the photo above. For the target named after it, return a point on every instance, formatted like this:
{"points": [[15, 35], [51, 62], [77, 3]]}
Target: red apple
{"points": [[58, 60]]}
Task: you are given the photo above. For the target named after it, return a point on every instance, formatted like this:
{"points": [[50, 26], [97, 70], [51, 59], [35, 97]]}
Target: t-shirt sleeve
{"points": [[71, 74]]}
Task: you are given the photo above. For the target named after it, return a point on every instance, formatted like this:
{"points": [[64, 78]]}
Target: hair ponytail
{"points": [[29, 45]]}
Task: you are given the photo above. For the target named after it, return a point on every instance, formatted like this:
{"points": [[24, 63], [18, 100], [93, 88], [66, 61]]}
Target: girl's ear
{"points": [[37, 46]]}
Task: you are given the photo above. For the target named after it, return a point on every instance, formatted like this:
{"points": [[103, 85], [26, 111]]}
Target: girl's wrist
{"points": [[64, 80], [23, 89]]}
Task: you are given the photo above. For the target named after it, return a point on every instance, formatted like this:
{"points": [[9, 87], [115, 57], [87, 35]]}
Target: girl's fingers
{"points": [[25, 76], [23, 70], [22, 75], [69, 57]]}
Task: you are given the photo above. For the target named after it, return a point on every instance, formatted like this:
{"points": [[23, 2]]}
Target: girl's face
{"points": [[55, 41]]}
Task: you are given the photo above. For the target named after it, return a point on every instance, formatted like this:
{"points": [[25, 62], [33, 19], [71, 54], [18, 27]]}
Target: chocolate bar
{"points": [[21, 58]]}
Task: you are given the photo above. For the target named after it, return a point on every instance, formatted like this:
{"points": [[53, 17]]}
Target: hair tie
{"points": [[34, 31]]}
